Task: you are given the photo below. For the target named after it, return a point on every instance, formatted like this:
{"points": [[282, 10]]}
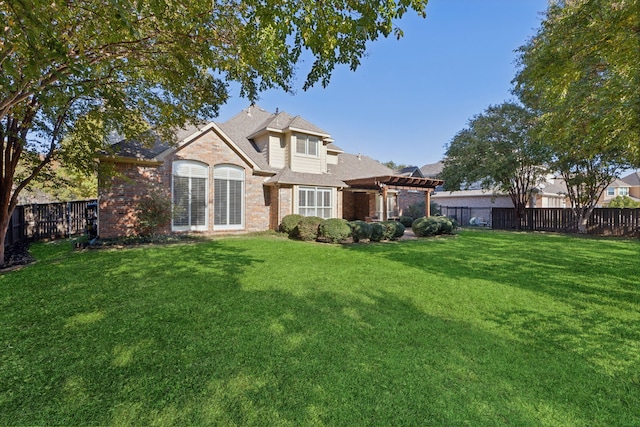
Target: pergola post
{"points": [[384, 203], [428, 203]]}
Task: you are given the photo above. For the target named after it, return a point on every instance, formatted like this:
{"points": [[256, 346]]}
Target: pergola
{"points": [[383, 183]]}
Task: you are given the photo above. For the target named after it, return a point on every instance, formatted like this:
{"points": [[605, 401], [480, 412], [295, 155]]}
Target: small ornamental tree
{"points": [[153, 212]]}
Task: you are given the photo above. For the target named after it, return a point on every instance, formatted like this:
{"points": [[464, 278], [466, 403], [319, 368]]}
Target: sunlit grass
{"points": [[484, 328]]}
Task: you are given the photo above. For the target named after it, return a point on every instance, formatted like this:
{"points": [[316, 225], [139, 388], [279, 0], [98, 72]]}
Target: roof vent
{"points": [[359, 156]]}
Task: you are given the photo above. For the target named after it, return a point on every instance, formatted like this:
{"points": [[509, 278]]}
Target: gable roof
{"points": [[410, 171], [633, 179], [432, 170]]}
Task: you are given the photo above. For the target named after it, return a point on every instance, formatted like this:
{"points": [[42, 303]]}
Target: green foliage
{"points": [[623, 202], [334, 230], [393, 230], [406, 220], [377, 231], [580, 74], [496, 152], [360, 230], [418, 210], [433, 226], [289, 224], [308, 228], [153, 212]]}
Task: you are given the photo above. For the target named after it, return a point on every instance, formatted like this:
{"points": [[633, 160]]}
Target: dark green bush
{"points": [[406, 221], [289, 224], [433, 225], [393, 230], [308, 228], [334, 230], [377, 231], [360, 230]]}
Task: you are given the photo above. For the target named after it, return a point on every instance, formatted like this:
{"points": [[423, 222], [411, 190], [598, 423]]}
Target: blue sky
{"points": [[409, 97]]}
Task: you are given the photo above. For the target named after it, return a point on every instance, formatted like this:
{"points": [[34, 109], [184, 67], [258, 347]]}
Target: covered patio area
{"points": [[375, 198]]}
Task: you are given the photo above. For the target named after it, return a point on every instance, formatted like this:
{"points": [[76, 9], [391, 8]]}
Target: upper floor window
{"points": [[307, 145], [623, 191], [611, 191]]}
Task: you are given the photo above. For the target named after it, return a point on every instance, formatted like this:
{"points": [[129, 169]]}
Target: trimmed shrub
{"points": [[433, 225], [377, 231], [360, 230], [289, 224], [406, 221], [308, 228], [334, 230], [394, 230]]}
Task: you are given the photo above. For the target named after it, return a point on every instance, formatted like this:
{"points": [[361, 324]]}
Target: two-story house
{"points": [[245, 175]]}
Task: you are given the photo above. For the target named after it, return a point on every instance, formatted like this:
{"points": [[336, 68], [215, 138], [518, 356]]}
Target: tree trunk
{"points": [[582, 223], [5, 218]]}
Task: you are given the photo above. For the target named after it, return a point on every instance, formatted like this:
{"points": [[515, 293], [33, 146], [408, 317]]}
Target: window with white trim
{"points": [[307, 145], [623, 191], [228, 197], [189, 195], [611, 191], [315, 201]]}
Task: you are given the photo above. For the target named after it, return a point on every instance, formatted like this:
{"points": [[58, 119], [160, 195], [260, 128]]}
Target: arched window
{"points": [[189, 194], [228, 197]]}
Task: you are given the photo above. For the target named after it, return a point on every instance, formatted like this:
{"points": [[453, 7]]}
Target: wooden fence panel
{"points": [[46, 221], [603, 221]]}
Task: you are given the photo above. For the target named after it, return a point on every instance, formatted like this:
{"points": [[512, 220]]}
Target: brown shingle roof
{"points": [[352, 166], [287, 176]]}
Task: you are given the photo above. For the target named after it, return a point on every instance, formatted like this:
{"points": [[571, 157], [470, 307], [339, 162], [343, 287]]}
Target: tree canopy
{"points": [[496, 151], [79, 70], [580, 74]]}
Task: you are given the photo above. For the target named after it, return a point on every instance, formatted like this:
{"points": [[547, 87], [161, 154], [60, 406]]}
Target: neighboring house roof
{"points": [[558, 188], [619, 183], [633, 179], [432, 170], [352, 166], [410, 171]]}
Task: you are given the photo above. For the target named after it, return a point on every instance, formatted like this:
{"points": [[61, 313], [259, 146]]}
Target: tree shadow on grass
{"points": [[192, 347]]}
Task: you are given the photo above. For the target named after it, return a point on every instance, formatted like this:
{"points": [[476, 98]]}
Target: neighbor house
{"points": [[245, 175], [628, 185]]}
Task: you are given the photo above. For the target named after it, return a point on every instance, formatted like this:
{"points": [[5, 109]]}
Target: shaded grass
{"points": [[483, 329]]}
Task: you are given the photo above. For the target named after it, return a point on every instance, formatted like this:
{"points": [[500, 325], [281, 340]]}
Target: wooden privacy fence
{"points": [[603, 221], [46, 221]]}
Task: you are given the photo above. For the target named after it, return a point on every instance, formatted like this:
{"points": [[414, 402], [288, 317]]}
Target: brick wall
{"points": [[119, 195], [120, 189]]}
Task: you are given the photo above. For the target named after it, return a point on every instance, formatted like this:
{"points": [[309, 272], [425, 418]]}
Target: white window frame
{"points": [[308, 141], [308, 205], [623, 191], [229, 173], [192, 170], [611, 191]]}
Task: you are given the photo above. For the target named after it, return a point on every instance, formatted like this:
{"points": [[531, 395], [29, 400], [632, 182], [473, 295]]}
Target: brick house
{"points": [[245, 175]]}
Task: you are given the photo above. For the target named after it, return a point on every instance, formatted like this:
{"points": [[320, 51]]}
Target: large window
{"points": [[228, 197], [307, 145], [189, 194], [314, 201], [623, 191]]}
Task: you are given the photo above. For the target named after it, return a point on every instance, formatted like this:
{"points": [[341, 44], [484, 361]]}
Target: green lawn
{"points": [[484, 328]]}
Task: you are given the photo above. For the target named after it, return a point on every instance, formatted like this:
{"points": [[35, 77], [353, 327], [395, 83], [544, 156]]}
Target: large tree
{"points": [[580, 73], [496, 151], [77, 70]]}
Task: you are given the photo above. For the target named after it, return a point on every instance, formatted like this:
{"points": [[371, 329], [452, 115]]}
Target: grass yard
{"points": [[485, 328]]}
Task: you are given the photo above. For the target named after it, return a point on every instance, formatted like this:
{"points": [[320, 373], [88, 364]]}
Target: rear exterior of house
{"points": [[244, 175]]}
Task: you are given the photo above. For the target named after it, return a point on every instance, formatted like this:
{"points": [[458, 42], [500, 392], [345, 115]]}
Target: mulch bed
{"points": [[15, 256]]}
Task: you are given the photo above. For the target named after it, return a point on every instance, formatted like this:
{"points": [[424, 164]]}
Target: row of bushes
{"points": [[433, 226], [335, 230]]}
